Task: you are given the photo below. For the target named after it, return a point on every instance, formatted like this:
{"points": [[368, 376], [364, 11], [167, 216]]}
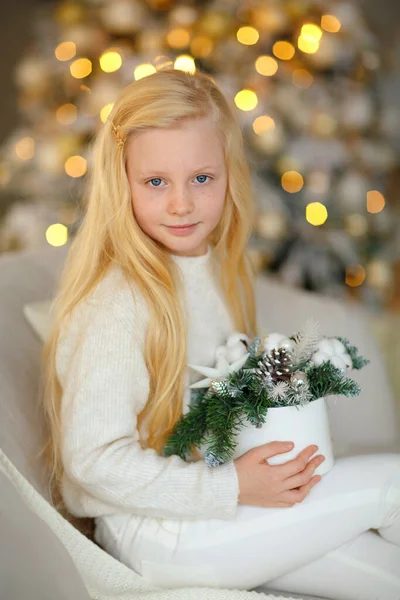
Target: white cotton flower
{"points": [[236, 346], [277, 341], [331, 349]]}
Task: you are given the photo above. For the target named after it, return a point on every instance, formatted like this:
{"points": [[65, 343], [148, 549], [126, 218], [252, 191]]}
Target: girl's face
{"points": [[178, 184]]}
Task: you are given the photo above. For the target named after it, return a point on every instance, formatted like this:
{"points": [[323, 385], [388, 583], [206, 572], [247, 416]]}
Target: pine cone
{"points": [[278, 364], [263, 373]]}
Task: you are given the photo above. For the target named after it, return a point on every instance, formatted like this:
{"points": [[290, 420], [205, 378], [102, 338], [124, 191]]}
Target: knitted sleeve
{"points": [[105, 384]]}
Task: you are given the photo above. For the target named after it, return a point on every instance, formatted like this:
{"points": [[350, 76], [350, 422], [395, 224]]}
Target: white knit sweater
{"points": [[105, 385], [105, 577]]}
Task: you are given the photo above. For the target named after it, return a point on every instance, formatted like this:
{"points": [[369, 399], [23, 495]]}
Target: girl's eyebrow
{"points": [[148, 173]]}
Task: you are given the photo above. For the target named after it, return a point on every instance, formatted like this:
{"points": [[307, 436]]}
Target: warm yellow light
{"points": [[330, 23], [316, 213], [248, 36], [105, 112], [185, 63], [143, 71], [178, 37], [355, 275], [283, 50], [201, 46], [65, 51], [292, 181], [110, 61], [302, 78], [25, 148], [311, 31], [75, 166], [263, 123], [80, 68], [266, 65], [308, 45], [57, 234], [375, 201], [66, 114], [246, 100]]}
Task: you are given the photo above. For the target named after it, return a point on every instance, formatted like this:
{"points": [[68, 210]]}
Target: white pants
{"points": [[322, 546]]}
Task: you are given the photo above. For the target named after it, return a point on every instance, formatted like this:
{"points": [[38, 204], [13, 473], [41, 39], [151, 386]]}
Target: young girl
{"points": [[157, 278]]}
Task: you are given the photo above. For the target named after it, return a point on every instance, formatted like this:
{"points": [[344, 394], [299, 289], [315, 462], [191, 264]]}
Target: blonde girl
{"points": [[157, 278]]}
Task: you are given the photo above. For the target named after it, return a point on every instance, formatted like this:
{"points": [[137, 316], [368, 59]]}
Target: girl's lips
{"points": [[182, 230]]}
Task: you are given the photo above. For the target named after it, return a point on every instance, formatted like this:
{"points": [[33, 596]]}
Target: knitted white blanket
{"points": [[106, 578]]}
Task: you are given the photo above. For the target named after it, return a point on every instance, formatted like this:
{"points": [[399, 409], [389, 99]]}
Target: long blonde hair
{"points": [[109, 234]]}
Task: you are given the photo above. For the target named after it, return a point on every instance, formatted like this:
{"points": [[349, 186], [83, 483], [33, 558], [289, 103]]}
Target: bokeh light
{"points": [[330, 23], [248, 36], [316, 213], [246, 100], [201, 46], [75, 166], [65, 51], [311, 31], [25, 148], [292, 181], [308, 45], [185, 63], [379, 274], [110, 61], [178, 37], [266, 65], [66, 114], [144, 70], [355, 275], [80, 68], [105, 112], [283, 50], [57, 234], [375, 201], [263, 123]]}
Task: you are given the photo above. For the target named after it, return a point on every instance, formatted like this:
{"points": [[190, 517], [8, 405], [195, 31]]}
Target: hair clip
{"points": [[116, 130]]}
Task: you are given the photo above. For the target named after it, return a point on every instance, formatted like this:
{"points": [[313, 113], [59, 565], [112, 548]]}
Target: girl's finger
{"points": [[299, 494], [304, 477], [298, 464]]}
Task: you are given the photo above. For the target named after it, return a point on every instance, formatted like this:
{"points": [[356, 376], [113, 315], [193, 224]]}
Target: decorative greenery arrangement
{"points": [[251, 376]]}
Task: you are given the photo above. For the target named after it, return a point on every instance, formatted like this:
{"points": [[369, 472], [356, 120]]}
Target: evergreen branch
{"points": [[189, 431], [255, 407], [328, 380], [223, 423]]}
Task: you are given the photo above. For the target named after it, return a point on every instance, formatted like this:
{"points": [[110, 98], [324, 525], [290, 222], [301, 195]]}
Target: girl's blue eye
{"points": [[155, 179], [202, 176]]}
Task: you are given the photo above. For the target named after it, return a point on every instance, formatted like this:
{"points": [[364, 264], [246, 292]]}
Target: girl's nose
{"points": [[180, 203]]}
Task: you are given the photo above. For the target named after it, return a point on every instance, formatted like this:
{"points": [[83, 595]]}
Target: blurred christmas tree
{"points": [[302, 74]]}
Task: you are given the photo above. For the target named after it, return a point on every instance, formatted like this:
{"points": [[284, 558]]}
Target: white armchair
{"points": [[364, 424]]}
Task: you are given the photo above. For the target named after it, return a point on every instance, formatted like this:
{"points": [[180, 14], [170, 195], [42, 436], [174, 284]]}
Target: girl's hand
{"points": [[284, 485]]}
